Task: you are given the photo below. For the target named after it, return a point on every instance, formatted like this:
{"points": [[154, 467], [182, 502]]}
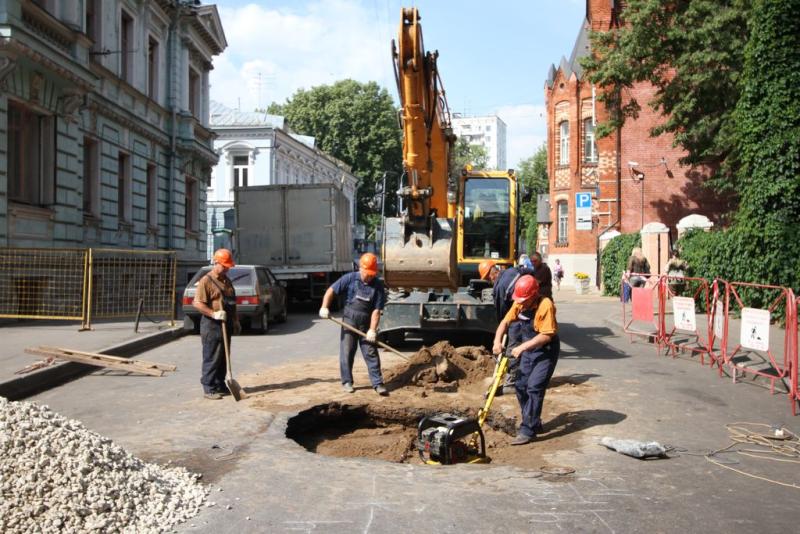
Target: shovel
{"points": [[362, 334], [232, 385]]}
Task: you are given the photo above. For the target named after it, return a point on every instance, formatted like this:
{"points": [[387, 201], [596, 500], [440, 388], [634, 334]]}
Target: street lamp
{"points": [[638, 176]]}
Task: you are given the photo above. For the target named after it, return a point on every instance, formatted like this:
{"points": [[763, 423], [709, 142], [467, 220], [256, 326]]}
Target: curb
{"points": [[60, 373]]}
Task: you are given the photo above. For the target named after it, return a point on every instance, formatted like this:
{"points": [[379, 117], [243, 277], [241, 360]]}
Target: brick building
{"points": [[621, 182]]}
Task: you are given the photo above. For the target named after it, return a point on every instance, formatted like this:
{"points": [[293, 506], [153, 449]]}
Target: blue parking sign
{"points": [[583, 200]]}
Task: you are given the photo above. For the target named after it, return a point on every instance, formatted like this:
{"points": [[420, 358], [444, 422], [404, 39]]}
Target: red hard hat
{"points": [[525, 288], [368, 263], [223, 256], [485, 267]]}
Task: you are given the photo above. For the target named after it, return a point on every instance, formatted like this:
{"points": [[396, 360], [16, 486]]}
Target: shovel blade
{"points": [[235, 389]]}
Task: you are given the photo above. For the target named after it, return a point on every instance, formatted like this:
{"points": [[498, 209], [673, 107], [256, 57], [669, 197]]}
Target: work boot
{"points": [[381, 390], [212, 396], [348, 387], [521, 439]]}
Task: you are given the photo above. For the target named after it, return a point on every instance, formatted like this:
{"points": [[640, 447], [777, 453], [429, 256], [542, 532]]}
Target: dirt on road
{"points": [[435, 379]]}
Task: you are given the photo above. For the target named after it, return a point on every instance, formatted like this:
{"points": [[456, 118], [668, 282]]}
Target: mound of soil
{"points": [[443, 366]]}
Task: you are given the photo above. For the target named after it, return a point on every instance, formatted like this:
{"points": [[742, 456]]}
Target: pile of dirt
{"points": [[443, 367]]}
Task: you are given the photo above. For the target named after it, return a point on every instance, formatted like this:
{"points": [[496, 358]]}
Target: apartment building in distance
{"points": [[489, 132]]}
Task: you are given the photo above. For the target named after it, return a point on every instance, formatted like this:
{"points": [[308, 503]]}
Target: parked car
{"points": [[260, 298]]}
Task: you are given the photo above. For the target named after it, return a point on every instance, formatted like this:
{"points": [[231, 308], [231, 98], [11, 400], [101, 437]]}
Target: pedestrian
{"points": [[558, 274], [638, 268], [365, 297], [215, 299], [524, 261], [533, 339], [543, 275]]}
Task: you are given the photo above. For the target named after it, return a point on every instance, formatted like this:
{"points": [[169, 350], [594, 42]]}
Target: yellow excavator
{"points": [[450, 219]]}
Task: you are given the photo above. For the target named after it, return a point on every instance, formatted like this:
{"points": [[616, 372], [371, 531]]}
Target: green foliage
{"points": [[692, 52], [532, 174], [614, 260], [356, 123], [465, 153]]}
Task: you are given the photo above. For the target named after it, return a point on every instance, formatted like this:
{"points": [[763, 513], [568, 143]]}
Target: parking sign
{"points": [[583, 211]]}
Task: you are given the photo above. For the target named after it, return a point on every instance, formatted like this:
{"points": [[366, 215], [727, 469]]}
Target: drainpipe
{"points": [[619, 195], [173, 106]]}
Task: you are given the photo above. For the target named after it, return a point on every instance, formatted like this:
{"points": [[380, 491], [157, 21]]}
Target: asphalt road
{"points": [[271, 484]]}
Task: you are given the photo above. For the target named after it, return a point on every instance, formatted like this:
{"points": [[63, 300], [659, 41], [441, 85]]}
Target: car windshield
{"points": [[240, 276]]}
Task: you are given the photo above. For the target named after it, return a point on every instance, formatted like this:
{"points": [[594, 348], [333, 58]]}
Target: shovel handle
{"points": [[227, 348], [362, 334]]}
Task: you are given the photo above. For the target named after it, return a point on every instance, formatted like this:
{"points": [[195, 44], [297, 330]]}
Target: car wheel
{"points": [[260, 324], [284, 314]]}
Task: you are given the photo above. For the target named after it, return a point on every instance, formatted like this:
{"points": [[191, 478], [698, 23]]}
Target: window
{"points": [[123, 187], [563, 222], [240, 168], [488, 128], [589, 144], [190, 204], [194, 93], [487, 220], [93, 20], [126, 47], [152, 68], [152, 195], [31, 156], [91, 177], [563, 157]]}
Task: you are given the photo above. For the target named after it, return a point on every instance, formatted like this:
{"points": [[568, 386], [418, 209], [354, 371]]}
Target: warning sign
{"points": [[683, 312], [719, 320], [755, 329]]}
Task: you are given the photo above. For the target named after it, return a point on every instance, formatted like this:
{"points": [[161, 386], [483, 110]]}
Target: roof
{"points": [[223, 116], [572, 65]]}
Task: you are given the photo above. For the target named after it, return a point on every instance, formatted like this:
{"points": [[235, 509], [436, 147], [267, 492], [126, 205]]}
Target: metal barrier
{"points": [[120, 279], [83, 284], [642, 308], [683, 332], [43, 283], [754, 335], [795, 375]]}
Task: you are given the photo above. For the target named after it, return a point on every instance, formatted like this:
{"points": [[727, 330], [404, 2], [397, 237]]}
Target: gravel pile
{"points": [[55, 475]]}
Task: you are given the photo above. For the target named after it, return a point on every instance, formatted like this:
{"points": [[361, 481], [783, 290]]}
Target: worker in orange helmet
{"points": [[215, 299], [533, 338], [365, 297], [488, 270]]}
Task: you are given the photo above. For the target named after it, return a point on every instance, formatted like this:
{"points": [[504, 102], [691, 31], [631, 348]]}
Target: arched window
{"points": [[563, 157]]}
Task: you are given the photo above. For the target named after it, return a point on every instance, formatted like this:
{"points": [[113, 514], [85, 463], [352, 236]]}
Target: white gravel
{"points": [[55, 475]]}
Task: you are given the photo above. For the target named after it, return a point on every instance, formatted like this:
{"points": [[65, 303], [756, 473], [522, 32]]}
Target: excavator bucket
{"points": [[418, 259]]}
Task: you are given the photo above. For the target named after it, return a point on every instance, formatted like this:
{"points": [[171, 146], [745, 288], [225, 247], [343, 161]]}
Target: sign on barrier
{"points": [[754, 333], [681, 330], [645, 312]]}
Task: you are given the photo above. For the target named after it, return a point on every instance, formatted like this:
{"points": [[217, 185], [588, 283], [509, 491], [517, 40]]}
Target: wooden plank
{"points": [[99, 362], [108, 357]]}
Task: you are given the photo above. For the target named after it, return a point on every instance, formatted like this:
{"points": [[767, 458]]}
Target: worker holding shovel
{"points": [[365, 298], [215, 299]]}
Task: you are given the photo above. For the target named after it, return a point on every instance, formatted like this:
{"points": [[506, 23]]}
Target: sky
{"points": [[493, 56]]}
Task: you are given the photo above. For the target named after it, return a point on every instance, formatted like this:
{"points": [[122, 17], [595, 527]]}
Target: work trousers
{"points": [[536, 368], [214, 364], [347, 352]]}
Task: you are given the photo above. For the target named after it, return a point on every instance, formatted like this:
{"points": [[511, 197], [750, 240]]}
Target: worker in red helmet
{"points": [[215, 299], [365, 297], [533, 338]]}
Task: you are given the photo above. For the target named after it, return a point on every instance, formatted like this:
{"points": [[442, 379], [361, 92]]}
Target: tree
{"points": [[356, 123], [532, 174], [466, 153], [692, 52]]}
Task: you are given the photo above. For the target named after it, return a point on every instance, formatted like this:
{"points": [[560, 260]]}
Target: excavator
{"points": [[450, 218]]}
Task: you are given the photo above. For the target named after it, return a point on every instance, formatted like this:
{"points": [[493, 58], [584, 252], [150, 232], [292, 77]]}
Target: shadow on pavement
{"points": [[292, 384], [569, 422], [587, 342], [575, 379]]}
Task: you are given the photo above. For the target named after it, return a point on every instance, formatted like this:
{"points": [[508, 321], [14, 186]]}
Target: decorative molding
{"points": [[69, 103], [7, 65], [36, 83]]}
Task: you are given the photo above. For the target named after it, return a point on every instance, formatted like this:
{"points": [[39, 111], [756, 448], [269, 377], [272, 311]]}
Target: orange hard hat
{"points": [[224, 257], [368, 263], [525, 288], [485, 267]]}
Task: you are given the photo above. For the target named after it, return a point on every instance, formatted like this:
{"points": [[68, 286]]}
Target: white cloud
{"points": [[527, 130], [319, 43]]}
